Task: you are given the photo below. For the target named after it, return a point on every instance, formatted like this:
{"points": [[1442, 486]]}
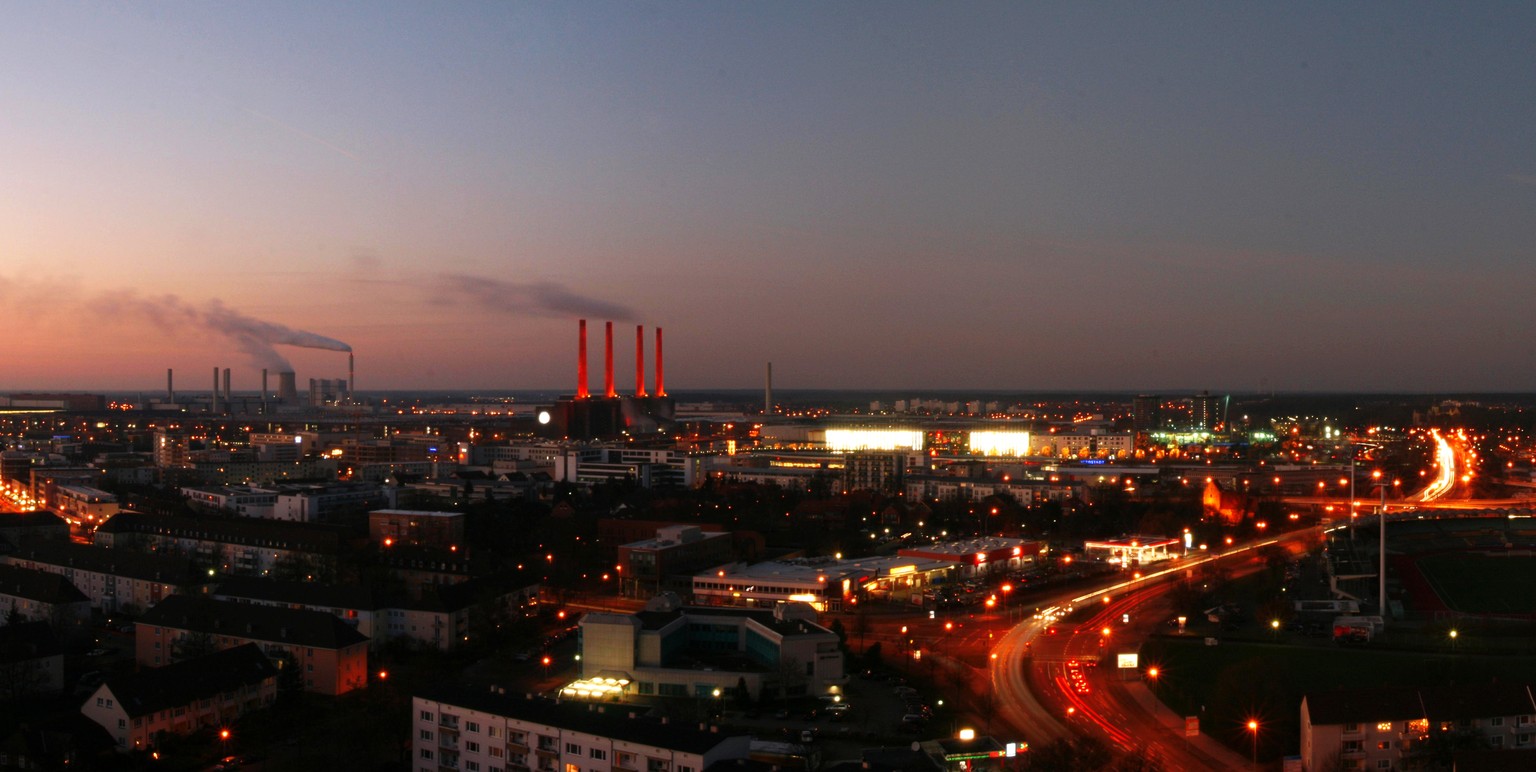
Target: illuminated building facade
{"points": [[980, 556], [670, 650]]}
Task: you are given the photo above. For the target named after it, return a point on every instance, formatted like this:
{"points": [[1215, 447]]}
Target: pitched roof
{"points": [[1397, 703], [306, 593], [104, 560], [247, 620], [154, 689], [280, 534], [39, 586]]}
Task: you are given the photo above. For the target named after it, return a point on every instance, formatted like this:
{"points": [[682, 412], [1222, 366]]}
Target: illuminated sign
{"points": [[999, 443], [1125, 661], [901, 570], [873, 439]]}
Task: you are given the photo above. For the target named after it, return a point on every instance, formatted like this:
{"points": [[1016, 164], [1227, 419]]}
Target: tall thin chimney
{"points": [[661, 388], [215, 407], [608, 363], [263, 391], [351, 374], [170, 385], [768, 391], [639, 360], [581, 364], [228, 403]]}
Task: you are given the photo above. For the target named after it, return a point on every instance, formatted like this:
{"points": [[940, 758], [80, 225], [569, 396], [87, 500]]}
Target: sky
{"points": [[870, 195]]}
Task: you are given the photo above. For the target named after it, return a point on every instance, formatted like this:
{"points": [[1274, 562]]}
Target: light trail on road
{"points": [[1445, 475]]}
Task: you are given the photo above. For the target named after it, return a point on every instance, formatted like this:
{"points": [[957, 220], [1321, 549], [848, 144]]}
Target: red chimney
{"points": [[608, 364], [581, 364], [639, 360], [661, 389]]}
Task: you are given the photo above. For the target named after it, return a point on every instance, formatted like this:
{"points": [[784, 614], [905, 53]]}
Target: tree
{"points": [[792, 678], [21, 678], [191, 645]]}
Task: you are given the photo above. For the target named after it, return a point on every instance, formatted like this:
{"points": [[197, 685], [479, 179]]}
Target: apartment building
{"points": [[492, 731]]}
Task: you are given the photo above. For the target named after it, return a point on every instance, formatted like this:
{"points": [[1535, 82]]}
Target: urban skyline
{"points": [[909, 196]]}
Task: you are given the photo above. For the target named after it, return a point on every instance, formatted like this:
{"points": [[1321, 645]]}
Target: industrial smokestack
{"points": [[170, 385], [215, 403], [661, 388], [228, 403], [581, 364], [264, 391], [287, 386], [608, 363], [639, 360], [351, 374], [768, 391]]}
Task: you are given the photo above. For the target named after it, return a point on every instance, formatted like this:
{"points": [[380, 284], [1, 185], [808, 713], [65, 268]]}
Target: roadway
{"points": [[1046, 690]]}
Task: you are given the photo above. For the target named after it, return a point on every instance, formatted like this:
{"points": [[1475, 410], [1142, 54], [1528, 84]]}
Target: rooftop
{"points": [[262, 623], [178, 684]]}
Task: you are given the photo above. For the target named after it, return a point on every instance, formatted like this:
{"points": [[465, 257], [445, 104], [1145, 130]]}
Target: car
{"points": [[97, 653], [904, 690], [838, 708], [807, 735], [914, 718]]}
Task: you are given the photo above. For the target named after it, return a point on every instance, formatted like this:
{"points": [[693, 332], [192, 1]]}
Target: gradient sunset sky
{"points": [[1009, 195]]}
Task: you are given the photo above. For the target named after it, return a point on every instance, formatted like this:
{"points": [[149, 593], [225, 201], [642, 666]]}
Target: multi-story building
{"points": [[27, 594], [140, 709], [83, 504], [645, 566], [246, 547], [325, 654], [243, 500], [493, 731], [646, 467], [670, 650], [19, 526], [436, 619], [308, 503], [1368, 729], [113, 581], [408, 526], [243, 471], [877, 471]]}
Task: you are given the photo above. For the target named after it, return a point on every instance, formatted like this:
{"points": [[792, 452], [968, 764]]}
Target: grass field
{"points": [[1480, 584]]}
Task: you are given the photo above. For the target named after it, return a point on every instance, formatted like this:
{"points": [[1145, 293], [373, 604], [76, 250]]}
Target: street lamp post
{"points": [[1253, 729]]}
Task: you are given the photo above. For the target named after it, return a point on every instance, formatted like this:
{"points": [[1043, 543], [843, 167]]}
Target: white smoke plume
{"points": [[254, 337]]}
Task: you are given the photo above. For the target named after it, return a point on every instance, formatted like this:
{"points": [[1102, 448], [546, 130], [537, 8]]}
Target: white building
{"points": [[1368, 729], [673, 651], [493, 731], [647, 467], [243, 500]]}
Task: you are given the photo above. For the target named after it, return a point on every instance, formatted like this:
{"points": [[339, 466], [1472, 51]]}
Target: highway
{"points": [[1046, 690]]}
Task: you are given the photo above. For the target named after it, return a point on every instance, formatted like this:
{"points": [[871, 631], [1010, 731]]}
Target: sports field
{"points": [[1474, 583]]}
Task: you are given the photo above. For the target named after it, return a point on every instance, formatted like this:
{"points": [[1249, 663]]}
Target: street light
{"points": [[1453, 640], [1253, 728]]}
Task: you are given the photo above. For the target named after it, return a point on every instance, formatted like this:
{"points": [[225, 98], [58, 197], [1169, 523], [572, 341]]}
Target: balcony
{"points": [[448, 741]]}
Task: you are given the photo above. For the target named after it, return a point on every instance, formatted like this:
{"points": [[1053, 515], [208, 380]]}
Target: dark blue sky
{"points": [[883, 195]]}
